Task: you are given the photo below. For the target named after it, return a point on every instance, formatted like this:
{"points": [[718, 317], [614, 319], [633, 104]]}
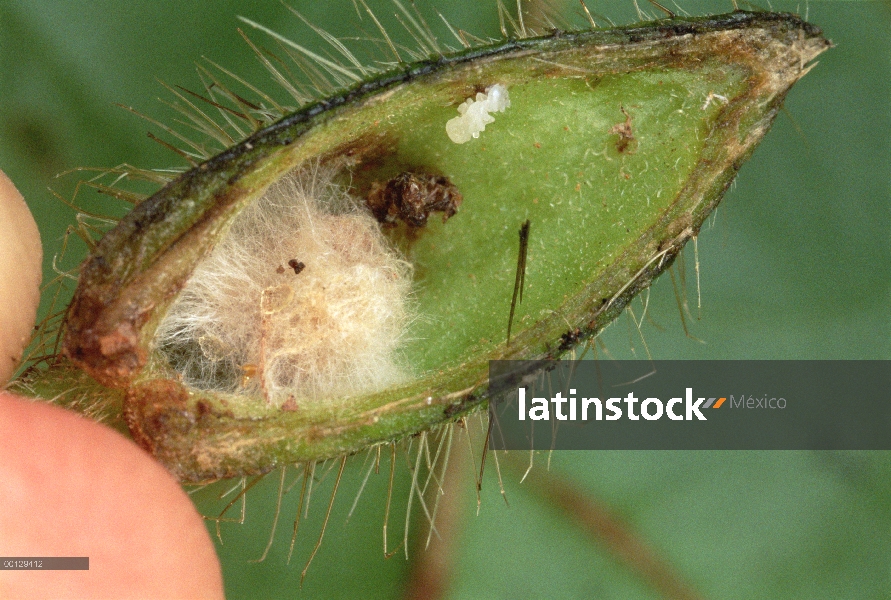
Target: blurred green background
{"points": [[796, 265]]}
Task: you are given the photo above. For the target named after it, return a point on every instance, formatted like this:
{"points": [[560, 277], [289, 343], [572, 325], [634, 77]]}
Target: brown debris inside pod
{"points": [[411, 197], [296, 265]]}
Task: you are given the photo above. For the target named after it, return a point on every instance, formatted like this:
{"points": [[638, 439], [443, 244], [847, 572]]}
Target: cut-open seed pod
{"points": [[614, 148]]}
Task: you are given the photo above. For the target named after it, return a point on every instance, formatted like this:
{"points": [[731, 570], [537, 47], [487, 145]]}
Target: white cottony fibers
{"points": [[474, 114], [325, 325]]}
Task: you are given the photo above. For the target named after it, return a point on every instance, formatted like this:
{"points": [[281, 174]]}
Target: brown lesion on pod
{"points": [[626, 142]]}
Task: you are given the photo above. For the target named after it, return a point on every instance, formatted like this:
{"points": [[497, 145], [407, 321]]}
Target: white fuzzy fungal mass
{"points": [[247, 322], [474, 114]]}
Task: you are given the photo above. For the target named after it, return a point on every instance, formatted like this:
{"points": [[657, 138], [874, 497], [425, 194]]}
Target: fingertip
{"points": [[21, 257], [72, 487]]}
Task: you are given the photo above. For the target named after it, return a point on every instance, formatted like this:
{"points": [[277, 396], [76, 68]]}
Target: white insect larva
{"points": [[474, 114]]}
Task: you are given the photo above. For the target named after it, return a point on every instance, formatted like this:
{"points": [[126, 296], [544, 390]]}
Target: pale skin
{"points": [[71, 487]]}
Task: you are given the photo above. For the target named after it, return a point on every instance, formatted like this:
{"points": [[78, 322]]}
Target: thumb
{"points": [[72, 487], [20, 273]]}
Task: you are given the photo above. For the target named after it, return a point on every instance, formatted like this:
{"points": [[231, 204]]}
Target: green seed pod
{"points": [[605, 149]]}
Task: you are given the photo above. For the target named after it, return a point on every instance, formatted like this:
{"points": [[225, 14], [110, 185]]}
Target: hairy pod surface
{"points": [[616, 146]]}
